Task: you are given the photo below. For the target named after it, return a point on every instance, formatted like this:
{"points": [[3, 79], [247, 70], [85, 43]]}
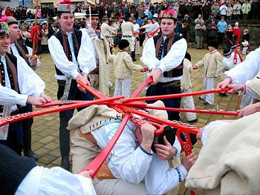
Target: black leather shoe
{"points": [[65, 163], [201, 98], [31, 154], [222, 94], [193, 121]]}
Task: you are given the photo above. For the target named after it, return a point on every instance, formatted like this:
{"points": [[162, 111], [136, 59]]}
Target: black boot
{"points": [[65, 163], [31, 154], [133, 56]]}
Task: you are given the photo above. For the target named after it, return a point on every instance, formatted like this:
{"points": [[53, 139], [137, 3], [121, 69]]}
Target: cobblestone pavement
{"points": [[46, 128]]}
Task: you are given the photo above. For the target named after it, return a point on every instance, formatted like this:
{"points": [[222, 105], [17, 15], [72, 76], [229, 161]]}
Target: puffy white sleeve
{"points": [[246, 70], [55, 180], [86, 57], [160, 178], [68, 68], [175, 56], [38, 64], [29, 82], [127, 160], [9, 97], [149, 54]]}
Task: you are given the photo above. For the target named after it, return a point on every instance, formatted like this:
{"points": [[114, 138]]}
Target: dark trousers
{"points": [[27, 127], [165, 89], [14, 138], [65, 116]]}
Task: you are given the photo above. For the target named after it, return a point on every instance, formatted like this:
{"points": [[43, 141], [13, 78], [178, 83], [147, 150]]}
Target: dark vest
{"points": [[13, 170], [178, 71], [78, 35], [22, 50], [11, 62]]}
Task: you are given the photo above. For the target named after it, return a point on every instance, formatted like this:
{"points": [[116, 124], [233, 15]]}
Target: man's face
{"points": [[15, 32], [94, 22], [167, 26], [66, 21], [4, 43]]}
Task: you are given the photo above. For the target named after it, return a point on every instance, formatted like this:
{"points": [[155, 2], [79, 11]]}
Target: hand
{"points": [[224, 83], [33, 62], [86, 173], [84, 79], [188, 161], [156, 74], [166, 151], [200, 133], [47, 98], [147, 131], [250, 109], [36, 100], [145, 69], [195, 67], [234, 88]]}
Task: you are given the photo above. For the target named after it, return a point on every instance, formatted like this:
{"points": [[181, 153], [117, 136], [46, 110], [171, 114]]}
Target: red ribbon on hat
{"points": [[66, 2]]}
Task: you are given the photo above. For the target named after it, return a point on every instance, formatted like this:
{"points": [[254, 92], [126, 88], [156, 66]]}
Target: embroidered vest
{"points": [[162, 48], [62, 37], [11, 62], [22, 50]]}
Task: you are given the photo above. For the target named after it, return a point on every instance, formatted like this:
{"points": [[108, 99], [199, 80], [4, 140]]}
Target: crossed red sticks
{"points": [[127, 106]]}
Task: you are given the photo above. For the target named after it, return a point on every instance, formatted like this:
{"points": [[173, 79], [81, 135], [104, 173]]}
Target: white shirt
{"points": [[229, 61], [86, 60], [128, 162], [42, 181], [246, 70], [30, 84], [173, 58], [16, 53]]}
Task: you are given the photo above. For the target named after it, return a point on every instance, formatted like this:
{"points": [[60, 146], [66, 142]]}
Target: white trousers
{"points": [[123, 87], [208, 84], [188, 103]]}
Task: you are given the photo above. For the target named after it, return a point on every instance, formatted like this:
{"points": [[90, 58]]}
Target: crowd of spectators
{"points": [[209, 18]]}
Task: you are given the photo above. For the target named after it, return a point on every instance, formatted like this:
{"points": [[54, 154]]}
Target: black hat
{"points": [[123, 44], [94, 13], [213, 43], [227, 52]]}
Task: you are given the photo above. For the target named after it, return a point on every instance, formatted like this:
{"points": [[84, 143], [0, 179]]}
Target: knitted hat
{"points": [[65, 6], [227, 52], [4, 28], [213, 43], [123, 44]]}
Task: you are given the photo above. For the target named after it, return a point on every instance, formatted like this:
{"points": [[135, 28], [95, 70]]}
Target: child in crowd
{"points": [[213, 66], [123, 70]]}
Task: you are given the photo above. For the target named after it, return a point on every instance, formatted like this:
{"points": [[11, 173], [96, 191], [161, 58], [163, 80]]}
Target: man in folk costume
{"points": [[17, 48], [17, 89], [132, 167], [108, 32], [163, 55], [99, 78], [73, 56], [128, 30]]}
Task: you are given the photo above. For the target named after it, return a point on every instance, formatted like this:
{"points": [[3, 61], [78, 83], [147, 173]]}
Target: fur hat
{"points": [[213, 43], [123, 44]]}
